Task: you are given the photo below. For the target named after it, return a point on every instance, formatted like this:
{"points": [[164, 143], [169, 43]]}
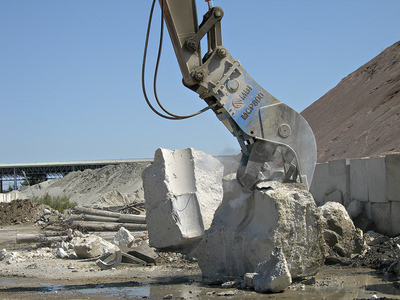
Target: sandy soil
{"points": [[43, 276]]}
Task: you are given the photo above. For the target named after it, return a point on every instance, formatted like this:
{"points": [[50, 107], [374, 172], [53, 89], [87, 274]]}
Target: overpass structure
{"points": [[15, 173]]}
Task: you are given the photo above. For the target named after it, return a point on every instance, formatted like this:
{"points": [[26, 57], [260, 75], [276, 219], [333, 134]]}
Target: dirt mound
{"points": [[108, 186], [20, 211], [360, 117]]}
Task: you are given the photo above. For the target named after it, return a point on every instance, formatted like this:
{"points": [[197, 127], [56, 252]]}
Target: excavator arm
{"points": [[276, 142]]}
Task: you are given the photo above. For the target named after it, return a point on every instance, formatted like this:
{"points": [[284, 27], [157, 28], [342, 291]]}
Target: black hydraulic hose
{"points": [[170, 115], [144, 67]]}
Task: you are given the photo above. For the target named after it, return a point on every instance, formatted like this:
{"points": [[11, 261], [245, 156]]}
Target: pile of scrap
{"points": [[72, 244], [91, 219]]}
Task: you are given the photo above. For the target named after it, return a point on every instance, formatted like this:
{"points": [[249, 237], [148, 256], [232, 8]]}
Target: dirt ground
{"points": [[34, 271], [38, 274]]}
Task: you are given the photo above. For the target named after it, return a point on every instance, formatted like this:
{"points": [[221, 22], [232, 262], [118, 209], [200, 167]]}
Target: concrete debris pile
{"points": [[14, 257], [182, 189], [72, 244], [111, 185]]}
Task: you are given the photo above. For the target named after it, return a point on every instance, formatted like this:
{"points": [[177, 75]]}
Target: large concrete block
{"points": [[393, 176], [376, 172], [182, 189], [248, 227], [359, 179], [395, 211], [381, 215]]}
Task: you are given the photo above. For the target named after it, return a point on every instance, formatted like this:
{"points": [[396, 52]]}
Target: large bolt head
{"points": [[218, 13], [233, 85], [284, 130], [191, 44], [221, 52], [199, 75]]}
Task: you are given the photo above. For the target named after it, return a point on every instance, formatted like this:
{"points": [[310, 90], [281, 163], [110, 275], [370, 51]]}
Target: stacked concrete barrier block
{"points": [[381, 214], [182, 190], [368, 179], [395, 217], [359, 179], [393, 189], [376, 170], [330, 182], [393, 176], [368, 184], [374, 182]]}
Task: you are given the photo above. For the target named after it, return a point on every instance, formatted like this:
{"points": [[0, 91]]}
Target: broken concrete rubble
{"points": [[182, 189], [343, 239], [91, 246], [124, 239], [145, 253], [247, 227], [272, 275]]}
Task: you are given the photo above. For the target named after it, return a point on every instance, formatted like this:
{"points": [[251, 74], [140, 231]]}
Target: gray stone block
{"points": [[376, 172], [381, 215], [320, 182], [182, 188], [337, 167], [368, 209], [395, 210], [338, 174], [359, 179], [393, 176], [329, 177], [334, 196]]}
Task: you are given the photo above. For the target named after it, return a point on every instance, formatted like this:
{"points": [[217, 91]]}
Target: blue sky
{"points": [[70, 71]]}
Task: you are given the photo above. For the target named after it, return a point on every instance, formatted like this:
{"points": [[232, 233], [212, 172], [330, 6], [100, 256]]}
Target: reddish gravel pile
{"points": [[360, 117]]}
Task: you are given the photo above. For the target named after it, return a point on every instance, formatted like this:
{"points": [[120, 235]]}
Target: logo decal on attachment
{"points": [[237, 103]]}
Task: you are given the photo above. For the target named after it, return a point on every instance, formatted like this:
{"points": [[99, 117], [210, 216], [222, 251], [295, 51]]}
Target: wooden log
{"points": [[38, 238], [109, 226]]}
